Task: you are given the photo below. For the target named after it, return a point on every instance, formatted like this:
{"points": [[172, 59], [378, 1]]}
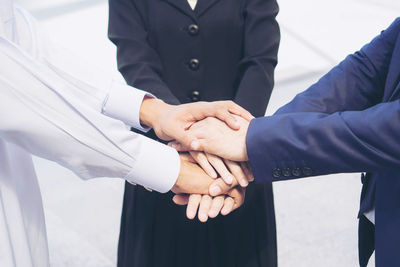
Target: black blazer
{"points": [[224, 49]]}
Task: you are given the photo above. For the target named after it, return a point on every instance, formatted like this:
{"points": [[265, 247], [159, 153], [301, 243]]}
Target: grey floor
{"points": [[316, 217]]}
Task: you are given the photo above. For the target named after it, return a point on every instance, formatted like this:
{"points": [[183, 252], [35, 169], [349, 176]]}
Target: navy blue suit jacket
{"points": [[349, 121]]}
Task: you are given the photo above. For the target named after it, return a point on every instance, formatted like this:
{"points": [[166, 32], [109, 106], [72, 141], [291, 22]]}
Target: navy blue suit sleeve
{"points": [[138, 62], [347, 131], [311, 143], [261, 43], [355, 84]]}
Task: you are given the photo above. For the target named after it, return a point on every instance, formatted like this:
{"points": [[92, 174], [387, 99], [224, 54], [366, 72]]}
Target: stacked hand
{"points": [[212, 182], [213, 136]]}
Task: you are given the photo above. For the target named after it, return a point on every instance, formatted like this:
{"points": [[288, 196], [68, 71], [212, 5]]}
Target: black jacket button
{"points": [[307, 171], [195, 96], [286, 172], [194, 64], [276, 173], [193, 29], [296, 172]]}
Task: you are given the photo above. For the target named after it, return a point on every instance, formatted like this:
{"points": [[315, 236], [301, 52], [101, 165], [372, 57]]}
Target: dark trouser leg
{"points": [[366, 240]]}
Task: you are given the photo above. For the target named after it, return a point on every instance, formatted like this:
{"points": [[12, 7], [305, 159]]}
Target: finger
{"points": [[187, 157], [228, 206], [220, 110], [220, 167], [224, 115], [238, 172], [204, 163], [178, 146], [193, 204], [238, 110], [247, 170], [194, 146], [219, 187], [185, 138], [181, 199], [216, 206], [205, 205], [238, 194]]}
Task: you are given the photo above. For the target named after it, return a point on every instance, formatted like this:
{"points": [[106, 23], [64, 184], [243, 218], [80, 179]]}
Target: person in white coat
{"points": [[55, 107]]}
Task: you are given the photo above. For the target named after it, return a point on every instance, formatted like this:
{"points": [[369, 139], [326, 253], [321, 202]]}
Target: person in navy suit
{"points": [[349, 121], [186, 51]]}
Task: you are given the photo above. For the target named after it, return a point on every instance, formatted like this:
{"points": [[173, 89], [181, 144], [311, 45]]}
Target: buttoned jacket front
{"points": [[221, 50]]}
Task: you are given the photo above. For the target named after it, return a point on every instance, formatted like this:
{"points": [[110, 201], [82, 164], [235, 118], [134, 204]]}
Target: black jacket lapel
{"points": [[204, 5], [183, 6]]}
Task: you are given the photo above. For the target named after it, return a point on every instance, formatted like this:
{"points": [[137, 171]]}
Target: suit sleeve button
{"points": [[286, 172], [307, 171], [296, 172], [276, 173]]}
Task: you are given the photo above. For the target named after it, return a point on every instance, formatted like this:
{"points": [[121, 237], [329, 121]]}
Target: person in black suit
{"points": [[185, 52]]}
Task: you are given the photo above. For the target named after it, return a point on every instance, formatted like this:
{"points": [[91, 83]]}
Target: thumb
{"points": [[203, 145], [178, 146], [181, 199], [219, 187], [187, 157], [192, 144], [185, 138]]}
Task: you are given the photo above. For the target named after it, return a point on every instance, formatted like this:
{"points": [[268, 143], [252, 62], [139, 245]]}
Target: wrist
{"points": [[150, 110], [191, 179], [244, 141], [177, 187]]}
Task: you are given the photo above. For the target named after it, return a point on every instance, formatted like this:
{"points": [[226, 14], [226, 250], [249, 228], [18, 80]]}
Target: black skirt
{"points": [[156, 233]]}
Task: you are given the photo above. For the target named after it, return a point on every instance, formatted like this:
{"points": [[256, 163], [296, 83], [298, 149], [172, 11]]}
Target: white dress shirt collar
{"points": [[192, 3]]}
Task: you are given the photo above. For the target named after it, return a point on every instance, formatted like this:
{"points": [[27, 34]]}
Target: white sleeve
{"points": [[106, 94], [60, 119]]}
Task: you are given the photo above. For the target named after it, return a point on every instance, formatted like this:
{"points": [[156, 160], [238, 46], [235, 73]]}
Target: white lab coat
{"points": [[55, 107]]}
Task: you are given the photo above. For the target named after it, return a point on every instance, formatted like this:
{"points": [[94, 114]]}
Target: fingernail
{"points": [[224, 211], [229, 179], [190, 215], [212, 213], [244, 183], [203, 217], [195, 144], [215, 190]]}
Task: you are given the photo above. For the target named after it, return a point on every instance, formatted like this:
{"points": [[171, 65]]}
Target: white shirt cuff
{"points": [[157, 166], [123, 103]]}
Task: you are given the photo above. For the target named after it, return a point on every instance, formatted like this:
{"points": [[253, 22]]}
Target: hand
{"points": [[172, 122], [214, 137], [210, 207], [192, 179], [227, 169]]}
